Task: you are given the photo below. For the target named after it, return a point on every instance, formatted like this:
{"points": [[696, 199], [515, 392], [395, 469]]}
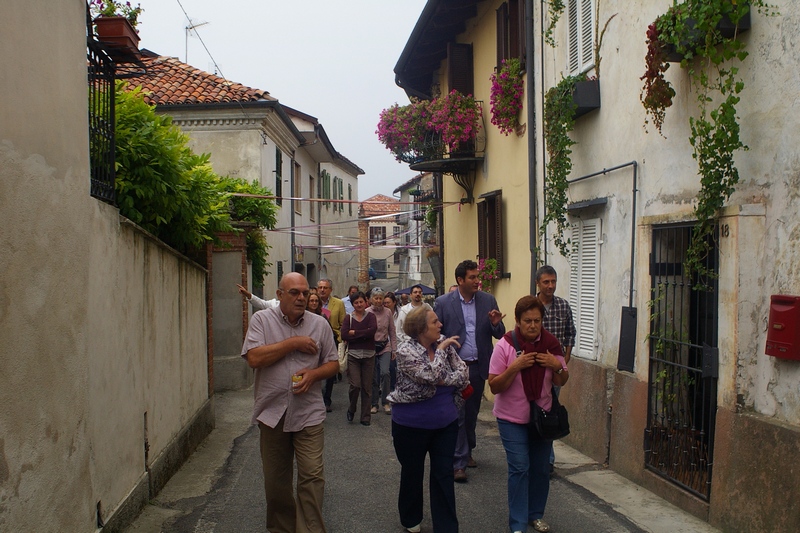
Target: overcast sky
{"points": [[329, 59]]}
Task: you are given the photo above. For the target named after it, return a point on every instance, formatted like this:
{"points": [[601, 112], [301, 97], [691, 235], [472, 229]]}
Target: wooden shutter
{"points": [[573, 53], [587, 33], [502, 34], [490, 227], [584, 284], [516, 27], [459, 68]]}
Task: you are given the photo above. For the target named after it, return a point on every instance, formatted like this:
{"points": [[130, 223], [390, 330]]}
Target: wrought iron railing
{"points": [[101, 121]]}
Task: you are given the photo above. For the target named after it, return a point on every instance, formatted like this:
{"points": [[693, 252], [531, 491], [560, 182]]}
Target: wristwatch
{"points": [[560, 370]]}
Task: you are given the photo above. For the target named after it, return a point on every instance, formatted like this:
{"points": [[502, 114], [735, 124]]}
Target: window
{"points": [[278, 176], [377, 235], [325, 179], [337, 184], [580, 37], [511, 31], [340, 196], [490, 227], [459, 68], [583, 284], [298, 189], [396, 235], [350, 199], [312, 205]]}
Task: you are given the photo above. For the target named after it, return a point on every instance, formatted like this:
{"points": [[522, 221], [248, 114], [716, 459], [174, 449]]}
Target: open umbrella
{"points": [[425, 290]]}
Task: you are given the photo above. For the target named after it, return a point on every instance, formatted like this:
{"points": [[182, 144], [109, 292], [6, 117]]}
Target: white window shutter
{"points": [[587, 33], [584, 284], [589, 276], [573, 54]]}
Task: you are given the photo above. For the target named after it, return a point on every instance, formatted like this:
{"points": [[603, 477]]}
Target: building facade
{"points": [[671, 385]]}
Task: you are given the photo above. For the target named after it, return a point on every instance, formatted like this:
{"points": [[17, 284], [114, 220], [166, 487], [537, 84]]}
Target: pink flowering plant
{"points": [[113, 8], [506, 95], [422, 129], [487, 273], [404, 130], [456, 118]]}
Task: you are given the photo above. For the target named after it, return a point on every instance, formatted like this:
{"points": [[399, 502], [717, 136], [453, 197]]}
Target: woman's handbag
{"points": [[342, 357], [552, 424]]}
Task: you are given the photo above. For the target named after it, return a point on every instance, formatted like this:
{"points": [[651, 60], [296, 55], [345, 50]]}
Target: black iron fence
{"points": [[101, 121], [682, 399]]}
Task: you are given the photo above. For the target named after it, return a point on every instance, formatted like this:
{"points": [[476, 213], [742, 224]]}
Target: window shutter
{"points": [[459, 68], [482, 237], [516, 29], [590, 251], [587, 33], [573, 57], [574, 275], [498, 231], [502, 34]]}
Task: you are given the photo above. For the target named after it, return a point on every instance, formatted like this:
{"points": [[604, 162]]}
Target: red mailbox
{"points": [[783, 332]]}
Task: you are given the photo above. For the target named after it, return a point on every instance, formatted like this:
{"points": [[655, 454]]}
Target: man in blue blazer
{"points": [[474, 317]]}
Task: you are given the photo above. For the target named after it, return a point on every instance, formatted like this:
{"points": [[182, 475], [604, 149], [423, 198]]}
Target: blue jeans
{"points": [[381, 382], [411, 446], [528, 474]]}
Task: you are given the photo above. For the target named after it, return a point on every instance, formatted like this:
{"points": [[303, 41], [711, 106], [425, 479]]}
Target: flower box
{"points": [[726, 28], [118, 32], [586, 96]]}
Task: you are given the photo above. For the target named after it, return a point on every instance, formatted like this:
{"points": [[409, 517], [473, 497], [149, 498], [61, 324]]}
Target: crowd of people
{"points": [[424, 365]]}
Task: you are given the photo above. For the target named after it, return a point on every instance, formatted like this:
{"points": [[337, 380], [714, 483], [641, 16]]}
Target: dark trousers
{"points": [[326, 394], [359, 373], [411, 445], [468, 420]]}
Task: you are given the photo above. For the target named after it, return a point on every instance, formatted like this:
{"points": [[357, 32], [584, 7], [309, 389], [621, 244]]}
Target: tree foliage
{"points": [[173, 193]]}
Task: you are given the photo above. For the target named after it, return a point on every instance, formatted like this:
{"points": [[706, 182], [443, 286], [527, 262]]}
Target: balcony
{"points": [[445, 135]]}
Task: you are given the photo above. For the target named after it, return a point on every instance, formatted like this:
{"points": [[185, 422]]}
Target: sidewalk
{"points": [[192, 489]]}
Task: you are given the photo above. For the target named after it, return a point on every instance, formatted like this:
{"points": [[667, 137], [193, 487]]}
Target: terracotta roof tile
{"points": [[380, 205], [172, 82]]}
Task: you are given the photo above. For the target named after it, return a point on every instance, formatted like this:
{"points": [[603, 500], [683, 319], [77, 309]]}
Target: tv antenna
{"points": [[189, 28]]}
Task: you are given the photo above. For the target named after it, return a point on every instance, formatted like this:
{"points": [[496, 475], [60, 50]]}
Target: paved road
{"points": [[362, 475]]}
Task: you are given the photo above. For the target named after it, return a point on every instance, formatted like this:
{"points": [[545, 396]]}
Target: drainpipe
{"points": [[291, 215], [531, 118]]}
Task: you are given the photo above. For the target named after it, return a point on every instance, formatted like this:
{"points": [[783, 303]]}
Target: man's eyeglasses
{"points": [[323, 288], [294, 293]]}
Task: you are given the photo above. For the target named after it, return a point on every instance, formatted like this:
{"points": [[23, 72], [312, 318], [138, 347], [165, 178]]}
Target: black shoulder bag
{"points": [[546, 425]]}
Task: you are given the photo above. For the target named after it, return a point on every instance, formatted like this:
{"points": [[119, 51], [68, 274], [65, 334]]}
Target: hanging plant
{"points": [[696, 31], [555, 8], [506, 95], [559, 120], [657, 92]]}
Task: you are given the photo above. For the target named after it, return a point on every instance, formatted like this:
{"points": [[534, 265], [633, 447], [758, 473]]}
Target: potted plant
{"points": [[404, 131], [506, 96], [487, 273], [707, 30], [116, 23], [425, 129]]}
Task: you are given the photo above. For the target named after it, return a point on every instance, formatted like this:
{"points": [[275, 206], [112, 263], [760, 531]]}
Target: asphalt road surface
{"points": [[362, 476]]}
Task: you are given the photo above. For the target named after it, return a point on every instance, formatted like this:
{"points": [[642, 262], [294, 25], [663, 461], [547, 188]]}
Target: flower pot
{"points": [[586, 96], [118, 33], [726, 28]]}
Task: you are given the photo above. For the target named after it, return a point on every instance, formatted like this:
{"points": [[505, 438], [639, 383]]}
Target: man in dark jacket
{"points": [[474, 317]]}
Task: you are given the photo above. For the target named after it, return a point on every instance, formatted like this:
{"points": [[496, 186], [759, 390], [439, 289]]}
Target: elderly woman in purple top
{"points": [[431, 378]]}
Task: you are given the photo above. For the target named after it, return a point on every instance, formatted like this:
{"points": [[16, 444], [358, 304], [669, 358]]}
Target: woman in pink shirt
{"points": [[525, 365]]}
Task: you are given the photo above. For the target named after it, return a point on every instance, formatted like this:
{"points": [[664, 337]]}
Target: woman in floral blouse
{"points": [[431, 378]]}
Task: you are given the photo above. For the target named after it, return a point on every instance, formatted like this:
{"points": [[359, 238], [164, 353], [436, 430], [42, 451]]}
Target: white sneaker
{"points": [[415, 529]]}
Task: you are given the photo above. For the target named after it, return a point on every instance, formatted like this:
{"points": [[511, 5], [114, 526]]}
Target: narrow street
{"points": [[220, 488]]}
